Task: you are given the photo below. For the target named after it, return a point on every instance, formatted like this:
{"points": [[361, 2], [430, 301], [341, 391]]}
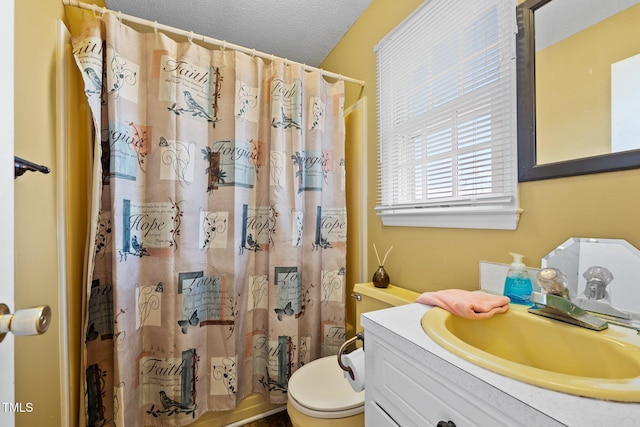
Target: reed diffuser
{"points": [[381, 278]]}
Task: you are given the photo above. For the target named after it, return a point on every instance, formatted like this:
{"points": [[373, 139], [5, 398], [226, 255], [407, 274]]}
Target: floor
{"points": [[281, 419]]}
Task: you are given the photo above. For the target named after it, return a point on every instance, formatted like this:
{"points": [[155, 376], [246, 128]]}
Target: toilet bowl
{"points": [[319, 395]]}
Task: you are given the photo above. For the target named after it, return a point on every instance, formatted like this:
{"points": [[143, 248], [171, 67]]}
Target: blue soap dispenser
{"points": [[517, 285]]}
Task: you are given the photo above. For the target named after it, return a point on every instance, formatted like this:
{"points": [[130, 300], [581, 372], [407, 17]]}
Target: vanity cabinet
{"points": [[423, 392], [420, 394], [412, 381]]}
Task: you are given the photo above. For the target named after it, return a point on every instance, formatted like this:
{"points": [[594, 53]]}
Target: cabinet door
{"points": [[419, 394], [374, 416]]}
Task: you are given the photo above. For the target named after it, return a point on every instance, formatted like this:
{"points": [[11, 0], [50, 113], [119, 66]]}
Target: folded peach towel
{"points": [[472, 305]]}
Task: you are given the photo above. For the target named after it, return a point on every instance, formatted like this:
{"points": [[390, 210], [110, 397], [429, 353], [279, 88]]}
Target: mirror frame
{"points": [[528, 170]]}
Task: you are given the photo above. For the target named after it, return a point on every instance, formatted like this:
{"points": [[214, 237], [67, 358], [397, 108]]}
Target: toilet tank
{"points": [[369, 298]]}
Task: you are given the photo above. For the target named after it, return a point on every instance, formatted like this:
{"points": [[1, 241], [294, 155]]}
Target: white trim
{"points": [[62, 59], [7, 349], [496, 219]]}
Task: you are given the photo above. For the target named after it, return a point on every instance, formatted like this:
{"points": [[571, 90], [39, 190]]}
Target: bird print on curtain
{"points": [[217, 263]]}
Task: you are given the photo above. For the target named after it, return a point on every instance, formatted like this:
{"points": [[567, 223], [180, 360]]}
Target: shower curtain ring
{"points": [[224, 45], [155, 26], [191, 37], [253, 53]]}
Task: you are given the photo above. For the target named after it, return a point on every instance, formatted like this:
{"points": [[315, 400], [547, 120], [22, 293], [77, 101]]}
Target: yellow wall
{"points": [[354, 151], [423, 259], [36, 264], [40, 378]]}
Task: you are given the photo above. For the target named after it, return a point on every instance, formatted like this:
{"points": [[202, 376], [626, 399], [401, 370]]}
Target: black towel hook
{"points": [[21, 166]]}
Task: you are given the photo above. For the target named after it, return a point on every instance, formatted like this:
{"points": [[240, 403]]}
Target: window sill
{"points": [[505, 218]]}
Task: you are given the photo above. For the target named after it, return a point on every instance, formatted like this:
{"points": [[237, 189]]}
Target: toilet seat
{"points": [[319, 390]]}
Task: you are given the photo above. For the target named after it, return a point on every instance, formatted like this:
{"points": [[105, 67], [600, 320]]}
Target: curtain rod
{"points": [[223, 44]]}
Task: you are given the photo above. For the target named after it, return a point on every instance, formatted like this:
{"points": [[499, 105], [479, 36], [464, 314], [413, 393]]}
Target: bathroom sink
{"points": [[545, 352]]}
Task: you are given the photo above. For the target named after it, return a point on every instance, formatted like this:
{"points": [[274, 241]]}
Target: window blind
{"points": [[447, 116]]}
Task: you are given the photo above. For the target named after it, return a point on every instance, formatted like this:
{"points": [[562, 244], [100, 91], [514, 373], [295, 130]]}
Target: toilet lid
{"points": [[321, 386]]}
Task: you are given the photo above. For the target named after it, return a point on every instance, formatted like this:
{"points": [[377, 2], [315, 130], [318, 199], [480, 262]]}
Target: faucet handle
{"points": [[553, 281]]}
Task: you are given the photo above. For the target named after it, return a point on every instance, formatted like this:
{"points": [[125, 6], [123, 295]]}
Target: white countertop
{"points": [[404, 321]]}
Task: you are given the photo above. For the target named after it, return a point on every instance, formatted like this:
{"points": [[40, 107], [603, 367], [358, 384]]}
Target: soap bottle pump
{"points": [[517, 285]]}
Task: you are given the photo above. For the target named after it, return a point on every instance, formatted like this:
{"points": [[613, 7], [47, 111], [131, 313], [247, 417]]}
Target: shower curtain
{"points": [[217, 260]]}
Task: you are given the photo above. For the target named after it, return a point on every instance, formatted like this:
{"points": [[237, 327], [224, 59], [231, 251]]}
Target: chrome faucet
{"points": [[554, 302]]}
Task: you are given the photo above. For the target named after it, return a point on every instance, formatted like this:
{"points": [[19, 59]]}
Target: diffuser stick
{"points": [[385, 256], [377, 256]]}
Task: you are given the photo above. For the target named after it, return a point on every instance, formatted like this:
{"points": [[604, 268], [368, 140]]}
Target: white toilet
{"points": [[319, 395]]}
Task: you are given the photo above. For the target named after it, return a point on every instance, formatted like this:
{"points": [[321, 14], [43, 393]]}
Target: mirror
{"points": [[578, 84], [575, 256]]}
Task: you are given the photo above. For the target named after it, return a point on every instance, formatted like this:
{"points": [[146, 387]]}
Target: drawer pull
{"points": [[446, 424]]}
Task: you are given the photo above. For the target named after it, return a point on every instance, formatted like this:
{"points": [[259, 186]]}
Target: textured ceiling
{"points": [[301, 30]]}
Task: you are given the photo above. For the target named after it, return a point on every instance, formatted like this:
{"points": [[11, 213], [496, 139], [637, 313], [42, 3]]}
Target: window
{"points": [[447, 117]]}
